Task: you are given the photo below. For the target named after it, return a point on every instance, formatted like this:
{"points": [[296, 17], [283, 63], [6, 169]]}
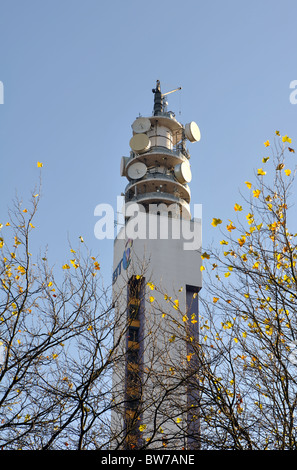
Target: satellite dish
{"points": [[123, 165], [140, 143], [141, 125], [192, 132], [183, 172], [137, 170]]}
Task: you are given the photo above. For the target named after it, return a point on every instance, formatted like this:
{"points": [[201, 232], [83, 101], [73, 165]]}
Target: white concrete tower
{"points": [[156, 281]]}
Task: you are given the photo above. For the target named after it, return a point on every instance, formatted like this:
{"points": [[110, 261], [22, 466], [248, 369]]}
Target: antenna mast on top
{"points": [[158, 100]]}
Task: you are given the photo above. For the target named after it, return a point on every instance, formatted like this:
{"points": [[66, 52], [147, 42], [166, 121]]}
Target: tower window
{"points": [[133, 312], [133, 334]]}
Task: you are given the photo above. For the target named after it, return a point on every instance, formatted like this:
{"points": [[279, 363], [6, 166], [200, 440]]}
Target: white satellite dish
{"points": [[123, 165], [192, 132], [137, 170], [140, 143], [183, 172], [141, 125]]}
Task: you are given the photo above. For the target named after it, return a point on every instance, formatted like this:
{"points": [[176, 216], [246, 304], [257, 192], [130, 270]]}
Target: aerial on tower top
{"points": [[158, 168], [159, 97], [158, 105]]}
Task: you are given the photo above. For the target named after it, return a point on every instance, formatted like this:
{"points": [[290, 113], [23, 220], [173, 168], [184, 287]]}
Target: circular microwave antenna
{"points": [[141, 125], [192, 132], [140, 143], [183, 172], [137, 170], [123, 165]]}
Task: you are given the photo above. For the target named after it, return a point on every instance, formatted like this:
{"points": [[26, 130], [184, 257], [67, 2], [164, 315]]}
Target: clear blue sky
{"points": [[77, 73]]}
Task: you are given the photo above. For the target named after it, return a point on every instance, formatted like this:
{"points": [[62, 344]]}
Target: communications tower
{"points": [[156, 282]]}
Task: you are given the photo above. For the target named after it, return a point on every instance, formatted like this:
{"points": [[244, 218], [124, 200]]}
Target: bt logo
{"points": [[124, 262]]}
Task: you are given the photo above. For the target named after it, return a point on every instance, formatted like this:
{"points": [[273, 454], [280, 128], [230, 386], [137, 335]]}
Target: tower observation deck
{"points": [[158, 168]]}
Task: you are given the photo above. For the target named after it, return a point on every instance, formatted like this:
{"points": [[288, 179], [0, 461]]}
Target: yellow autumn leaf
{"points": [[66, 266], [265, 159], [249, 185], [256, 193], [97, 266], [280, 166], [244, 334], [74, 263], [241, 240], [21, 269], [236, 340], [230, 226], [17, 241], [205, 255], [288, 172], [202, 268], [39, 164], [176, 304], [178, 420], [1, 242], [227, 274], [223, 242], [277, 133], [151, 285], [286, 139], [142, 427], [238, 207], [81, 239], [215, 299], [267, 143], [151, 298], [261, 172], [216, 222]]}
